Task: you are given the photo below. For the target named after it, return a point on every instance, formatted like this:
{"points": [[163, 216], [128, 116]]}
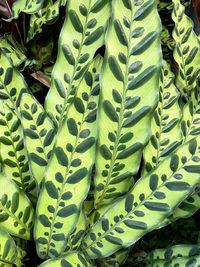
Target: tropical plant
{"points": [[99, 133]]}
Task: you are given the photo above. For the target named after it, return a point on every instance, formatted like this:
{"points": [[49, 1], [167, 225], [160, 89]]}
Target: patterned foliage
{"points": [[190, 123], [13, 153], [8, 249], [67, 178], [179, 255], [13, 50], [82, 34], [21, 245], [166, 134], [16, 212], [26, 6], [46, 15], [132, 68], [115, 260], [186, 209], [187, 50], [39, 134], [141, 211], [73, 259], [12, 84], [74, 240]]}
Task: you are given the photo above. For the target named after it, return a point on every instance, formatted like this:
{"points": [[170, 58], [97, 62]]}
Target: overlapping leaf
{"points": [[13, 154], [39, 134], [179, 255], [26, 6], [73, 259], [186, 209], [67, 178], [46, 15], [166, 133], [190, 123], [74, 240], [13, 50], [130, 80], [147, 204], [187, 50], [21, 245], [12, 84], [82, 34], [8, 249], [115, 260], [16, 212]]}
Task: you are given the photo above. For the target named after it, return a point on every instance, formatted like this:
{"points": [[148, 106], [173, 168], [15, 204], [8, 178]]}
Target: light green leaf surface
{"points": [[46, 15], [12, 84], [179, 255], [149, 202], [8, 249], [190, 123], [14, 51], [73, 259], [67, 178], [82, 34], [74, 240], [165, 126], [39, 134], [130, 83], [187, 50], [26, 6], [16, 211], [117, 259], [13, 154]]}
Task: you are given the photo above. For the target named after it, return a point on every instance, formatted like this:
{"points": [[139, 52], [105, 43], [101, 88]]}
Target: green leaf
{"points": [[180, 255], [13, 154], [77, 45], [70, 259], [125, 106], [8, 249], [187, 50], [67, 177], [146, 203], [16, 211], [12, 84], [39, 135], [75, 238], [26, 6], [45, 16], [166, 116], [14, 51]]}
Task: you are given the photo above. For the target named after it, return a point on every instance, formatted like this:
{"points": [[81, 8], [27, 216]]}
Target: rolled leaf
{"points": [[187, 50], [149, 202], [8, 249], [82, 34], [130, 82], [75, 259], [39, 134], [16, 211], [67, 178], [165, 126]]}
